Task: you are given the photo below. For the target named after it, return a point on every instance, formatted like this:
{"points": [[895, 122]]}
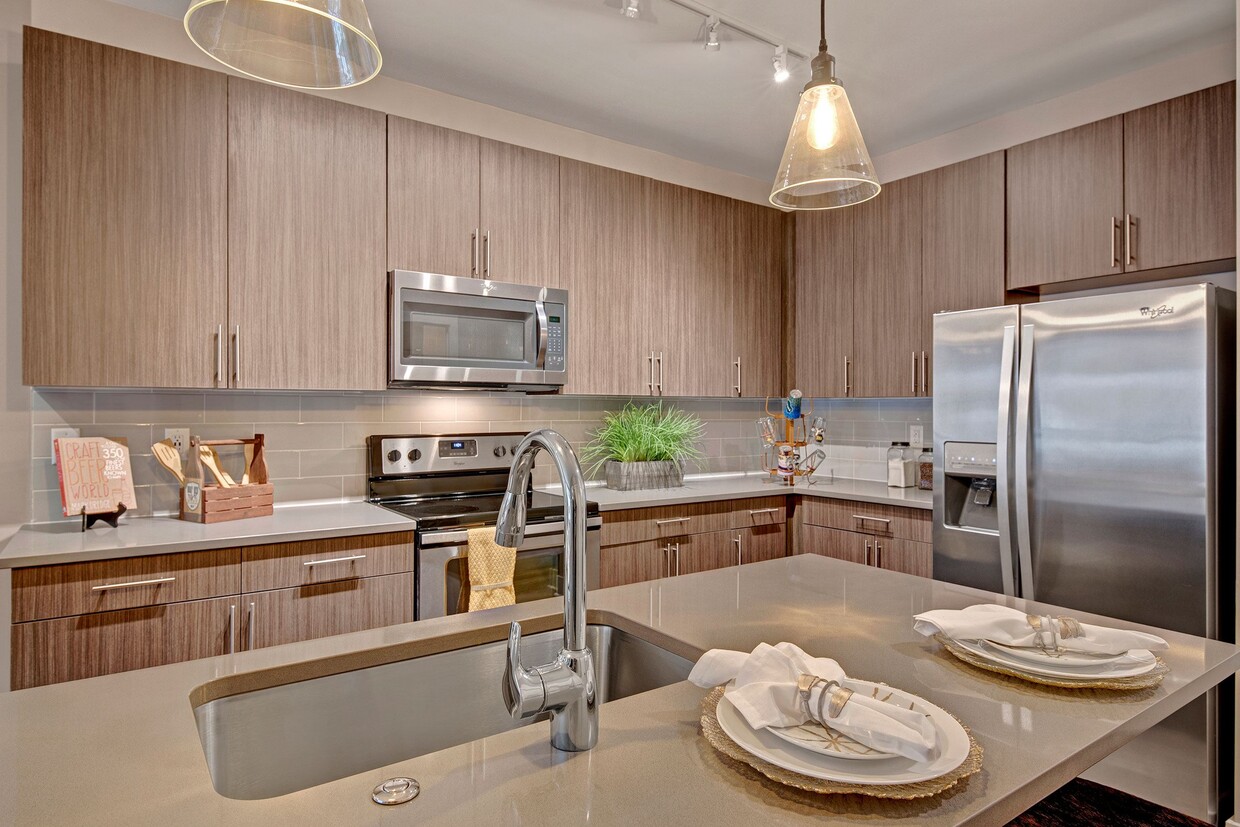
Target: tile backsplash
{"points": [[316, 442]]}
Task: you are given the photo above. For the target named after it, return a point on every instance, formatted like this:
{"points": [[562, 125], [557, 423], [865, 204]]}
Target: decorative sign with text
{"points": [[94, 475]]}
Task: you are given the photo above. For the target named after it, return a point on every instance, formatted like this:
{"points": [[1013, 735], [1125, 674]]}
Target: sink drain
{"points": [[396, 791]]}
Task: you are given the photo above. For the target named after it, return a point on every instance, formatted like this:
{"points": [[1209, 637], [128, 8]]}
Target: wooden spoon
{"points": [[212, 461], [249, 460], [169, 457]]}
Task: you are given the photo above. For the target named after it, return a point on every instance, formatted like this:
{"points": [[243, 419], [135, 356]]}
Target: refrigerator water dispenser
{"points": [[969, 486]]}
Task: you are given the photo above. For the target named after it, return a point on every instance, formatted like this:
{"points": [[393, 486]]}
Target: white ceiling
{"points": [[914, 69]]}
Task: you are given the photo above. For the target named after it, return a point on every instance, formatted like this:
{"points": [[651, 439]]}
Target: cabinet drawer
{"points": [[307, 612], [870, 518], [42, 592], [71, 648], [758, 512], [282, 565], [637, 525]]}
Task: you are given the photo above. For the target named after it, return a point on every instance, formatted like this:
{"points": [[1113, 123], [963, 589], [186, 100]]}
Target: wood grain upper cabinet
{"points": [[602, 265], [1065, 204], [432, 189], [889, 319], [520, 212], [306, 266], [758, 264], [1180, 180], [962, 244], [823, 304], [124, 217]]}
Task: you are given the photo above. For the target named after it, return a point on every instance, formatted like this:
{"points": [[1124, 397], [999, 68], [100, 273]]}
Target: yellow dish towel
{"points": [[491, 568]]}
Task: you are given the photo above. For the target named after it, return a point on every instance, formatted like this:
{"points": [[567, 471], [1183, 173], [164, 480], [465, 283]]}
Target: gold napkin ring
{"points": [[839, 695]]}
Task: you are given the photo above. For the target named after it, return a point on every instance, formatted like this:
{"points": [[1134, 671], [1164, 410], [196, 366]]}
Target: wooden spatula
{"points": [[169, 457], [249, 460], [212, 461]]}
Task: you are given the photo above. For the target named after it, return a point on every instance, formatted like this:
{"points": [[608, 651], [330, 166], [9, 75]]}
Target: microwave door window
{"points": [[481, 337]]}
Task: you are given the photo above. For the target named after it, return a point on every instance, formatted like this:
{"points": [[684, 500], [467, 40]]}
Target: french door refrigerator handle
{"points": [[1003, 444], [1024, 390]]}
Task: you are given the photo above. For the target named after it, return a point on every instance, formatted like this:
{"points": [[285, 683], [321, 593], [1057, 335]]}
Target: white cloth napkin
{"points": [[765, 693], [1011, 627]]}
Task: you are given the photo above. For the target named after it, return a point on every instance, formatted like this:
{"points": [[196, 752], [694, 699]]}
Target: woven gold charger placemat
{"points": [[1147, 681], [719, 740]]}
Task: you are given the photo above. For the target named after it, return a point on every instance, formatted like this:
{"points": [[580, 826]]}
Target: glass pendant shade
{"points": [[825, 163], [305, 44]]}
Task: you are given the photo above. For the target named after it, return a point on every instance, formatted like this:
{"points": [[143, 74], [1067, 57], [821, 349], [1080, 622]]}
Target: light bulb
{"points": [[824, 121], [631, 9], [780, 61]]}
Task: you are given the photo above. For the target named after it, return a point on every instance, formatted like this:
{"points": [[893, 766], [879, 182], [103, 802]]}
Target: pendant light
{"points": [[304, 44], [825, 163]]}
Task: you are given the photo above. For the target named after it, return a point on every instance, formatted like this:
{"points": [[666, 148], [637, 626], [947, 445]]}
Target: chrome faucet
{"points": [[565, 687]]}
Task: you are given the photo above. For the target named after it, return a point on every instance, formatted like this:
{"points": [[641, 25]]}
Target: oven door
{"points": [[474, 332], [443, 574]]}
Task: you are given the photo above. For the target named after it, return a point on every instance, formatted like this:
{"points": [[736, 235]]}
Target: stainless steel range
{"points": [[448, 484]]}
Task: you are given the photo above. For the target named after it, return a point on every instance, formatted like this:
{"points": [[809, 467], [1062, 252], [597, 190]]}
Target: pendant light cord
{"points": [[822, 27]]}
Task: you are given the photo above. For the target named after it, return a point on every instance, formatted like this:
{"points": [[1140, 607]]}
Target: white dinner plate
{"points": [[953, 750], [1000, 657], [1070, 660], [824, 740]]}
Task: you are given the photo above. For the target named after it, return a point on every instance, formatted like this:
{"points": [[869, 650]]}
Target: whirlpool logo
{"points": [[1157, 312]]}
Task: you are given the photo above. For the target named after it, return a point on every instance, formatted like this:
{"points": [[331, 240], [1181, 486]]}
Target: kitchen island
{"points": [[124, 749]]}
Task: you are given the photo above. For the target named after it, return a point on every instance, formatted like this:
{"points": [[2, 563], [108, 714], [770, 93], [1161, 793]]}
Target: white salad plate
{"points": [[1001, 657], [823, 740], [952, 738]]}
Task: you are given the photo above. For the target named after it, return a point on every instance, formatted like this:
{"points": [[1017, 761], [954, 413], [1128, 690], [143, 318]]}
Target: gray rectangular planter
{"points": [[636, 476]]}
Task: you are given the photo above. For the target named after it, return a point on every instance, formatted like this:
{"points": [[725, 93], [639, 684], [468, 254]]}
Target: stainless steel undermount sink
{"points": [[278, 740]]}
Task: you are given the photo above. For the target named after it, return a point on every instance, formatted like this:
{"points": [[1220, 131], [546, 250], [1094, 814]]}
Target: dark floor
{"points": [[1086, 804]]}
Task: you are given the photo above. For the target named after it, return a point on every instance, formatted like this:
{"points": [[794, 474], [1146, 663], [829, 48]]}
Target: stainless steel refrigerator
{"points": [[1084, 457]]}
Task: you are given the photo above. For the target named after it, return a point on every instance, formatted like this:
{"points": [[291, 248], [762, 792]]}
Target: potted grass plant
{"points": [[645, 446]]}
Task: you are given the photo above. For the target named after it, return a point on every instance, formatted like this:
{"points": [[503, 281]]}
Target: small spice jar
{"points": [[925, 470]]}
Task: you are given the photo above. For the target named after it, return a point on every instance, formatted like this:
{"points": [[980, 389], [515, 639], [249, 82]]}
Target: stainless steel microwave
{"points": [[446, 331]]}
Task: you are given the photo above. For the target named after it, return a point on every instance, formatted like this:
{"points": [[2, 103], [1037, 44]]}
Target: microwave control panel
{"points": [[555, 337]]}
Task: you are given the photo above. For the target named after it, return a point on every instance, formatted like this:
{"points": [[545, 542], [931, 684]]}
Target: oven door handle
{"points": [[541, 309], [439, 538]]}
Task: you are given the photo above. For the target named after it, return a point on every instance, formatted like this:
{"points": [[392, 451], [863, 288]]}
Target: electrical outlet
{"points": [[916, 435], [62, 433], [179, 437]]}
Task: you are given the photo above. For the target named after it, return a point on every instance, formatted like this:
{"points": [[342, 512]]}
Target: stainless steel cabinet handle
{"points": [[847, 376], [737, 540], [753, 511], [1114, 231], [925, 374], [737, 363], [913, 374], [659, 385], [486, 253], [236, 371], [651, 357], [334, 560], [673, 520], [1130, 246], [1024, 392], [667, 560], [678, 559], [232, 628], [866, 560], [249, 628], [219, 354], [872, 519], [473, 253], [107, 586], [878, 554]]}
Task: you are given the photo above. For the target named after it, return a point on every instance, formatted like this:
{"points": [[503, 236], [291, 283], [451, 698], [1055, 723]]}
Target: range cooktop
{"points": [[439, 513]]}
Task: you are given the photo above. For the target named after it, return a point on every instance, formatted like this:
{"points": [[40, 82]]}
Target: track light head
{"points": [[712, 34], [631, 9], [780, 62]]}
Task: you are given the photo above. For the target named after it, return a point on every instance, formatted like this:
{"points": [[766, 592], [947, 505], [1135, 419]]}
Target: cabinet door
{"points": [[71, 648], [603, 267], [124, 274], [688, 298], [762, 543], [822, 341], [1065, 198], [907, 556], [632, 563], [962, 244], [432, 199], [307, 291], [758, 264], [337, 608], [706, 552], [889, 317], [841, 545], [520, 212], [1180, 180]]}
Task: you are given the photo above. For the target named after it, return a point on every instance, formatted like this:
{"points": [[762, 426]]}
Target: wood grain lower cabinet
{"points": [[307, 612], [839, 545], [627, 563], [86, 646], [905, 556], [705, 552], [689, 554], [763, 543]]}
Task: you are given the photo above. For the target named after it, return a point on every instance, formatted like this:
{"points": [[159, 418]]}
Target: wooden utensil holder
{"points": [[216, 503]]}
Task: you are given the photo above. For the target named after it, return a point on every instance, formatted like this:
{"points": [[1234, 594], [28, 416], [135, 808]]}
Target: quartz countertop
{"points": [[124, 749], [730, 487], [46, 543]]}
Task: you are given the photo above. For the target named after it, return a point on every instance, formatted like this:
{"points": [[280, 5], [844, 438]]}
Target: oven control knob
{"points": [[393, 455], [414, 455], [500, 451]]}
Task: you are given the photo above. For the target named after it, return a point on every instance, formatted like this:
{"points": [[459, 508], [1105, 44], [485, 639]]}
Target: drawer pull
{"points": [[872, 519], [334, 560], [676, 520], [764, 511], [154, 582]]}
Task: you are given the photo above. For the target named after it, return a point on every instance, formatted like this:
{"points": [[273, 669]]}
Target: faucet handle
{"points": [[524, 692]]}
